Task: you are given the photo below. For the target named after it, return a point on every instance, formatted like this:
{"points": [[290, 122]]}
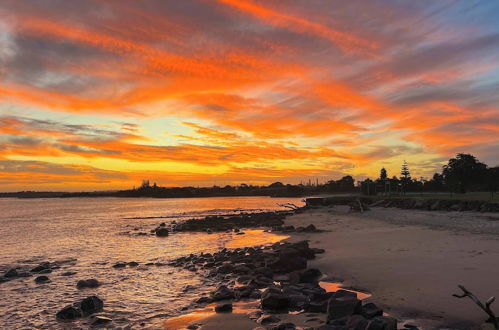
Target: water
{"points": [[89, 235]]}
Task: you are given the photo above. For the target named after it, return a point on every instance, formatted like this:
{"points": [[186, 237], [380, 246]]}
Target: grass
{"points": [[479, 196]]}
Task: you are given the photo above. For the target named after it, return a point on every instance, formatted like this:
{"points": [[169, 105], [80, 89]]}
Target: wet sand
{"points": [[410, 260]]}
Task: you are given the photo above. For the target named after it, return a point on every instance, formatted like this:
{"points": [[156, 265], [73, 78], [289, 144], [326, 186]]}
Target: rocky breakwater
{"points": [[225, 223], [278, 277]]}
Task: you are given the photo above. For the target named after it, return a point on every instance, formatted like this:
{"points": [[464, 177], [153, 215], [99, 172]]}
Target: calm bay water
{"points": [[89, 235]]}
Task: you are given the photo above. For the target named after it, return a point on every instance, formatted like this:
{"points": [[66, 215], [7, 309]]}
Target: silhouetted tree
{"points": [[463, 171], [382, 174], [492, 180]]}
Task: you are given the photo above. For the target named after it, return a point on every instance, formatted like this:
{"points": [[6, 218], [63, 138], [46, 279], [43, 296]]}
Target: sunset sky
{"points": [[101, 94]]}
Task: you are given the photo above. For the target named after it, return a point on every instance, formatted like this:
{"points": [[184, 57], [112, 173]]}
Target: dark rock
{"points": [[268, 319], [222, 293], [100, 320], [204, 300], [382, 323], [11, 273], [310, 228], [342, 306], [68, 273], [162, 232], [357, 322], [41, 267], [42, 279], [90, 283], [223, 308], [133, 264], [45, 271], [370, 310], [317, 306], [310, 275], [273, 299], [68, 313], [284, 326], [225, 269], [120, 264], [91, 305]]}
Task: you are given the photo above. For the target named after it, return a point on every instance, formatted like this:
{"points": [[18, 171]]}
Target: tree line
{"points": [[461, 174]]}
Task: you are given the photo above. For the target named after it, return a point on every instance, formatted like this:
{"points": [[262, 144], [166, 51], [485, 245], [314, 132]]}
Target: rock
{"points": [[100, 320], [133, 264], [11, 273], [68, 313], [284, 326], [90, 283], [41, 267], [382, 323], [268, 319], [225, 269], [68, 273], [273, 299], [91, 305], [370, 310], [42, 279], [241, 269], [310, 275], [289, 260], [357, 322], [254, 315], [223, 308], [222, 293], [317, 306], [204, 300], [194, 326], [162, 232], [310, 228], [120, 264], [342, 306]]}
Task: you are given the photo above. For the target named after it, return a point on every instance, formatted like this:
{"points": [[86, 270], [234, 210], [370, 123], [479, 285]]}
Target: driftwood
{"points": [[360, 206], [289, 206], [486, 308]]}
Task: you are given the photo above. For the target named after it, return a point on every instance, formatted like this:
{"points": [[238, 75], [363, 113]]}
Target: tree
{"points": [[382, 174], [462, 172], [492, 180], [405, 173]]}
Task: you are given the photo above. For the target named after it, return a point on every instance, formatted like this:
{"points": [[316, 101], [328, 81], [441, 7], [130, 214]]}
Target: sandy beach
{"points": [[410, 260]]}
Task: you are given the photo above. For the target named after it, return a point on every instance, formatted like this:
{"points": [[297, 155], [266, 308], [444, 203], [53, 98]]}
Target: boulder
{"points": [[42, 279], [284, 326], [68, 313], [342, 306], [382, 323], [223, 308], [11, 273], [222, 293], [120, 264], [204, 300], [41, 267], [90, 283], [91, 305], [268, 319], [133, 264], [370, 310], [310, 228], [274, 299], [162, 232], [310, 275]]}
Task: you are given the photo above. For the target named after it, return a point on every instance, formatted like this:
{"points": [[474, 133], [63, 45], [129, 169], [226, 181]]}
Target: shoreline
{"points": [[410, 263]]}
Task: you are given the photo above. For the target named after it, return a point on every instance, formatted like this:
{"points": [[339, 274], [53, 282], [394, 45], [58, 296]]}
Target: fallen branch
{"points": [[289, 206], [485, 308], [360, 206]]}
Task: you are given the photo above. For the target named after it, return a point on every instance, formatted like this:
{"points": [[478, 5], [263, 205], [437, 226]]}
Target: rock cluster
{"points": [[84, 307], [278, 276], [224, 223]]}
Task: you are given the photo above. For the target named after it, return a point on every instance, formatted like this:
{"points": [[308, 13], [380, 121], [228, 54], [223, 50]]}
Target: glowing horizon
{"points": [[101, 94]]}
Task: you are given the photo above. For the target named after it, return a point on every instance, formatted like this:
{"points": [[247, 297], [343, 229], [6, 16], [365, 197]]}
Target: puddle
{"points": [[197, 316], [335, 286]]}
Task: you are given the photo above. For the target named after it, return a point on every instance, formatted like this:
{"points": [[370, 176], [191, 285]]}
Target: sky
{"points": [[102, 94]]}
